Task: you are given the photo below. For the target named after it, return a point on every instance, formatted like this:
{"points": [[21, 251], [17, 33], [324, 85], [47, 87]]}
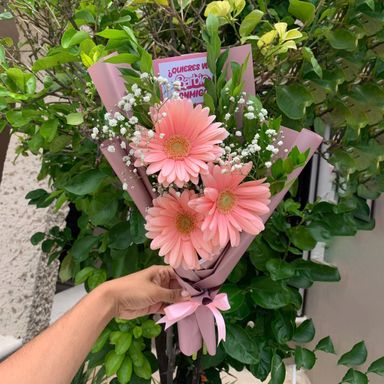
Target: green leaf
{"points": [[240, 346], [75, 118], [235, 295], [310, 57], [342, 39], [53, 61], [137, 332], [377, 367], [124, 373], [249, 22], [269, 294], [319, 126], [81, 247], [103, 209], [120, 236], [85, 182], [293, 100], [316, 271], [72, 37], [37, 238], [304, 358], [123, 58], [279, 269], [305, 332], [301, 238], [355, 377], [59, 143], [66, 268], [283, 326], [98, 277], [277, 370], [48, 129], [263, 367], [150, 329], [113, 34], [137, 229], [144, 371], [101, 340], [303, 10], [123, 343], [83, 275], [6, 16], [356, 356], [113, 362], [325, 345]]}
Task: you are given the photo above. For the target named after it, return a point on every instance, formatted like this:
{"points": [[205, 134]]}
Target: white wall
{"points": [[352, 310]]}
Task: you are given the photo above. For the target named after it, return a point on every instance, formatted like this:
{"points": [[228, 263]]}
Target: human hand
{"points": [[144, 292]]}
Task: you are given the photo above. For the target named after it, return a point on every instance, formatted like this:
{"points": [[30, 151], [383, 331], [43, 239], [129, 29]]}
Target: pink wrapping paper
{"points": [[202, 284]]}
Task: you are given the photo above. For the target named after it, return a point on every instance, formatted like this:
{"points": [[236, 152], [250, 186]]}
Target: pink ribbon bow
{"points": [[177, 312]]}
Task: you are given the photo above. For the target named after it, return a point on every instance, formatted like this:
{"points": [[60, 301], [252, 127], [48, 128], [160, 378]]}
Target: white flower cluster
{"points": [[135, 96], [251, 114]]}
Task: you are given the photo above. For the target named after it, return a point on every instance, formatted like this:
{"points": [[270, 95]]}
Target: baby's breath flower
{"points": [[268, 164], [111, 149]]}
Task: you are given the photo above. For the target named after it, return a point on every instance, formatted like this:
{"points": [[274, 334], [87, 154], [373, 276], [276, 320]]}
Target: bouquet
{"points": [[206, 176]]}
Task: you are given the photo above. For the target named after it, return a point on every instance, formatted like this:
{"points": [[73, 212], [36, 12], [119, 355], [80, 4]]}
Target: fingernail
{"points": [[185, 293]]}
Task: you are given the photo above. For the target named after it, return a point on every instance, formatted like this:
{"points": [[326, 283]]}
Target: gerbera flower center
{"points": [[226, 201], [185, 223], [177, 147]]}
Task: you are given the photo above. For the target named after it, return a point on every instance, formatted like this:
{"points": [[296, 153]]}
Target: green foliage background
{"points": [[331, 81]]}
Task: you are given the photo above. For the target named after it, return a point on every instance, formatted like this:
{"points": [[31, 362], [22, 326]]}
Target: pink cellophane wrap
{"points": [[195, 319]]}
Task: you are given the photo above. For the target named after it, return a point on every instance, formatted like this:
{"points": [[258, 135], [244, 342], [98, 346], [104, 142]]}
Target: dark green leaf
{"points": [[81, 247], [241, 346], [85, 182], [293, 100], [277, 371], [377, 367], [356, 356], [325, 345], [342, 39], [304, 358], [120, 236], [37, 238], [279, 269], [355, 377], [305, 332], [269, 294]]}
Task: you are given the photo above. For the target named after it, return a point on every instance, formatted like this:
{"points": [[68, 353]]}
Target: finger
{"points": [[172, 295], [162, 270]]}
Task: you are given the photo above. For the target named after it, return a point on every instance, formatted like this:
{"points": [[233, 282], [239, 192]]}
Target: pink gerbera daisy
{"points": [[185, 139], [175, 229], [231, 206]]}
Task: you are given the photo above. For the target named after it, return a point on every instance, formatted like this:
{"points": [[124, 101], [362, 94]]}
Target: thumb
{"points": [[172, 295]]}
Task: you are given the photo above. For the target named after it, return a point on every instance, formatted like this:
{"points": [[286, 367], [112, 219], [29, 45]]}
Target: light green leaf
{"points": [[72, 37], [310, 57], [123, 343], [66, 268], [53, 61], [250, 21], [98, 277], [83, 275], [342, 39], [303, 10], [112, 362], [113, 34], [75, 118], [6, 16], [124, 374], [123, 58]]}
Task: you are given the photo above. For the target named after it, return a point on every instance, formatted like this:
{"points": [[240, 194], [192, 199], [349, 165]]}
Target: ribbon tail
{"points": [[221, 330]]}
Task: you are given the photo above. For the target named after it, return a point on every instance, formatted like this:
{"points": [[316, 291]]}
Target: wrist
{"points": [[107, 299]]}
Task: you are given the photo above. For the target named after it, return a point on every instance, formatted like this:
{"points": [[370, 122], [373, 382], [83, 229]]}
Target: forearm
{"points": [[55, 355]]}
